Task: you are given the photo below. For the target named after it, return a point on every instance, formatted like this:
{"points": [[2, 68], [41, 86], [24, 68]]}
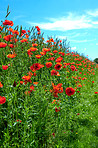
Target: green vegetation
{"points": [[96, 60]]}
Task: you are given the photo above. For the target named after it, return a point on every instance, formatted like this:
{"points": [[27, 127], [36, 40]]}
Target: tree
{"points": [[96, 60]]}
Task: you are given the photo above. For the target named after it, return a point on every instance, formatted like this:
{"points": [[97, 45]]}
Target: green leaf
{"points": [[7, 9], [20, 31], [7, 14]]}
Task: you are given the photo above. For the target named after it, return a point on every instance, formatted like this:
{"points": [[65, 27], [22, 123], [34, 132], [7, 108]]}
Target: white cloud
{"points": [[69, 22], [80, 41], [92, 13], [95, 22], [96, 43], [17, 17], [61, 37], [85, 49], [73, 48]]}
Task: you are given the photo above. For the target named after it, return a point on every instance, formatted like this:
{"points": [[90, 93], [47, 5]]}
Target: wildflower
{"points": [[73, 67], [2, 100], [1, 85], [38, 29], [79, 85], [1, 28], [56, 109], [7, 22], [23, 31], [34, 45], [14, 84], [58, 66], [55, 51], [51, 59], [46, 49], [2, 44], [53, 72], [96, 92], [38, 56], [54, 101], [23, 40], [10, 29], [35, 83], [59, 59], [70, 91], [11, 45], [32, 87], [11, 55], [78, 114], [4, 67], [92, 81], [48, 64], [15, 32], [36, 66], [33, 49], [8, 37], [26, 78], [53, 134]]}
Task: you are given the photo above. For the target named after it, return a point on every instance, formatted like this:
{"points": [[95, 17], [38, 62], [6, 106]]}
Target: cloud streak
{"points": [[70, 22]]}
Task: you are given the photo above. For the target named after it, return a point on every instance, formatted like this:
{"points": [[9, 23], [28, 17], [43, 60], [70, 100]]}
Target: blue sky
{"points": [[76, 20]]}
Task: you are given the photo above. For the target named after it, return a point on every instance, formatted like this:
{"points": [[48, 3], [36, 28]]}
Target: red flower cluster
{"points": [[36, 66], [56, 89]]}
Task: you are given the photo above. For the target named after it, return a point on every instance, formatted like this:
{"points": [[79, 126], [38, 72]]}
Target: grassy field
{"points": [[48, 94]]}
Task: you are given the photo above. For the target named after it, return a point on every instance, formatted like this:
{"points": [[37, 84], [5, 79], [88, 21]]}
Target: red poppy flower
{"points": [[59, 59], [11, 55], [53, 72], [53, 134], [70, 91], [24, 31], [58, 66], [73, 67], [14, 84], [4, 67], [8, 37], [1, 85], [55, 51], [33, 49], [34, 45], [26, 78], [51, 59], [38, 29], [38, 56], [23, 40], [2, 100], [7, 22], [96, 92], [1, 28], [32, 87], [2, 44], [36, 66], [48, 64], [15, 32], [56, 109]]}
